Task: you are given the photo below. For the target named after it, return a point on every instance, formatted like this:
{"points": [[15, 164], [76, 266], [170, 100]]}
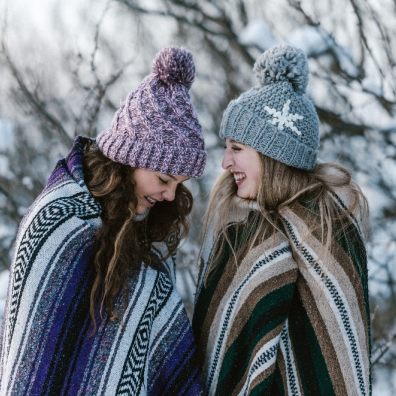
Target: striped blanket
{"points": [[47, 347], [283, 321]]}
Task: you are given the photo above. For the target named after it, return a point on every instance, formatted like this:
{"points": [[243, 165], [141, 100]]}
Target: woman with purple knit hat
{"points": [[92, 308]]}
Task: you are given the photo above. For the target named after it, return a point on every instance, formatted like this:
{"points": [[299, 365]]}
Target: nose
{"points": [[169, 193], [227, 160]]}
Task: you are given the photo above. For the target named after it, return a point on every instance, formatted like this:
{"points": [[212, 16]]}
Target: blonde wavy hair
{"points": [[283, 186]]}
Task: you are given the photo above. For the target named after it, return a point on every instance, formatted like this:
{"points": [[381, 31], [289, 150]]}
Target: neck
{"points": [[141, 216]]}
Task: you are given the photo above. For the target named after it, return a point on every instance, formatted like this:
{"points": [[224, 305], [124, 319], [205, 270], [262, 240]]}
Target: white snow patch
{"points": [[22, 210], [376, 199], [315, 41], [4, 275], [385, 383], [7, 139], [346, 60], [312, 40], [7, 143], [388, 169], [370, 85], [4, 283], [27, 182], [259, 34]]}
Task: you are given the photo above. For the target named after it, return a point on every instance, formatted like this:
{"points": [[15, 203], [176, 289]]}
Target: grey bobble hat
{"points": [[277, 119]]}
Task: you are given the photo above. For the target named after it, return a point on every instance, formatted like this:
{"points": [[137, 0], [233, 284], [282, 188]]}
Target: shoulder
{"points": [[275, 252], [353, 202], [65, 199], [62, 208]]}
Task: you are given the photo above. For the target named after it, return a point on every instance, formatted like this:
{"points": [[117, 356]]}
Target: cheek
{"points": [[140, 187], [257, 176], [255, 184]]}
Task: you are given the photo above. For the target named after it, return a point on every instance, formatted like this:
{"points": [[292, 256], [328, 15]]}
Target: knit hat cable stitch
{"points": [[277, 119], [157, 128]]}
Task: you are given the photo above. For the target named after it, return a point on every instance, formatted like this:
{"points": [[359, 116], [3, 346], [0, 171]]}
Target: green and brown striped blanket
{"points": [[283, 321]]}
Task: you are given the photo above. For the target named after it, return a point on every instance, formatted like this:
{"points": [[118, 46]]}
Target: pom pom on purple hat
{"points": [[174, 66]]}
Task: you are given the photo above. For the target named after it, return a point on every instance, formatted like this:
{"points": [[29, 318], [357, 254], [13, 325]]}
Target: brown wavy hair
{"points": [[122, 244], [285, 186]]}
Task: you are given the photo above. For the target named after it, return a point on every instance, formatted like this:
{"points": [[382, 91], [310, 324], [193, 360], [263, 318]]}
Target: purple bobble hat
{"points": [[157, 128]]}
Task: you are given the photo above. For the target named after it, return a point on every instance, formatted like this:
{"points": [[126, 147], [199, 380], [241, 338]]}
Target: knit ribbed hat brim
{"points": [[244, 126], [173, 160]]}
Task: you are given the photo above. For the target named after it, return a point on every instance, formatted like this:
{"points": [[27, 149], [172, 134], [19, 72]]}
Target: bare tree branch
{"points": [[37, 105]]}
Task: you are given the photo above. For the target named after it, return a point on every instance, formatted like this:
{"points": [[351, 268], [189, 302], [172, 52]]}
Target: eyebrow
{"points": [[173, 177]]}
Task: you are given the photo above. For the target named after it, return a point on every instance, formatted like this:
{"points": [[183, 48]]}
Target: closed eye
{"points": [[163, 181]]}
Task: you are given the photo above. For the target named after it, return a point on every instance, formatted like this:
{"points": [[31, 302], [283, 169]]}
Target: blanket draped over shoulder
{"points": [[283, 321], [47, 344]]}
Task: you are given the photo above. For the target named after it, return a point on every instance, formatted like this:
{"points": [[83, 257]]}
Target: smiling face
{"points": [[244, 163], [151, 187]]}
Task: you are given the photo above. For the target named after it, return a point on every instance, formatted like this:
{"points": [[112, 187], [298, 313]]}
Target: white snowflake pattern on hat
{"points": [[284, 118]]}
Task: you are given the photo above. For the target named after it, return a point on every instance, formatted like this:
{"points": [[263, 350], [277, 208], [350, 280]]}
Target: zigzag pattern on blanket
{"points": [[47, 347], [230, 311], [131, 378], [38, 231], [339, 303], [293, 386]]}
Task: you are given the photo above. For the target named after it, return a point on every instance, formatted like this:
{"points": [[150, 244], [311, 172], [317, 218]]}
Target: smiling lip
{"points": [[239, 182], [239, 178], [149, 202]]}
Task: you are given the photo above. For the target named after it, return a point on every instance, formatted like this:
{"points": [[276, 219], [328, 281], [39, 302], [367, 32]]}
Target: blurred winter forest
{"points": [[66, 66]]}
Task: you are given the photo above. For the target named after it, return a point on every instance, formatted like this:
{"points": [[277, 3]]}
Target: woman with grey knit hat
{"points": [[282, 300], [92, 308]]}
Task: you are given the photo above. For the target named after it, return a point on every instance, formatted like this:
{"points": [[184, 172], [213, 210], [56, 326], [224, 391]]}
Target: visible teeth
{"points": [[151, 200], [239, 176]]}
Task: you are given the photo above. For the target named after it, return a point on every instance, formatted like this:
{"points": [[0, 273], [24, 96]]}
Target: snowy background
{"points": [[66, 66]]}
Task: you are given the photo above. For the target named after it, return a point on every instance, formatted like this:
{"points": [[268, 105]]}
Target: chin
{"points": [[246, 195], [242, 195]]}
